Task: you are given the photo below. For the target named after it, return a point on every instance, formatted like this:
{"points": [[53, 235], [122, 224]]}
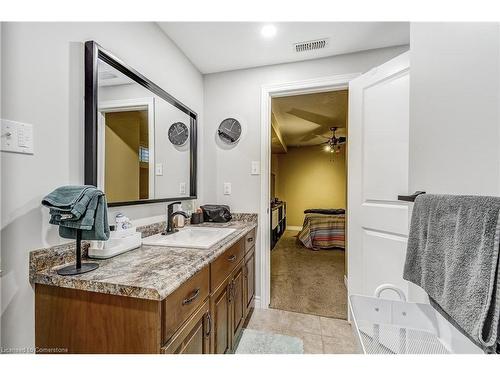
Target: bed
{"points": [[323, 230]]}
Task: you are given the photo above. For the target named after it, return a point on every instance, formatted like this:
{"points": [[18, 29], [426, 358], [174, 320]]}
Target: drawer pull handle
{"points": [[250, 239], [191, 298], [232, 258], [229, 292], [209, 323]]}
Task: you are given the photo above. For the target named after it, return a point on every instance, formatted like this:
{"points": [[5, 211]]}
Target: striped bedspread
{"points": [[323, 231]]}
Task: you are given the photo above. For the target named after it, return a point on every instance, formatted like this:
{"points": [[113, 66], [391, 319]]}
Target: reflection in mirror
{"points": [[143, 141]]}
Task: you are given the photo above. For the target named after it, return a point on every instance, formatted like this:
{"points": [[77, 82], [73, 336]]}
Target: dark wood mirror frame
{"points": [[94, 52]]}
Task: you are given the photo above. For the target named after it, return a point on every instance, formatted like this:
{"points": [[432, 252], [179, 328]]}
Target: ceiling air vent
{"points": [[311, 45]]}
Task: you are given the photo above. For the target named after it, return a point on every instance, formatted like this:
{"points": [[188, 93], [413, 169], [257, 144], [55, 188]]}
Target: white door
{"points": [[378, 172]]}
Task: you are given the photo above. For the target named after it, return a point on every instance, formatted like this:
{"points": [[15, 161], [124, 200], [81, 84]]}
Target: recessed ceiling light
{"points": [[268, 31]]}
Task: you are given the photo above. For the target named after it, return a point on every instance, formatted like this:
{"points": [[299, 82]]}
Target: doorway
{"points": [[308, 191], [270, 92], [127, 149]]}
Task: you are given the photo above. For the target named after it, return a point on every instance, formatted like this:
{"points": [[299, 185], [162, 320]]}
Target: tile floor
{"points": [[320, 335]]}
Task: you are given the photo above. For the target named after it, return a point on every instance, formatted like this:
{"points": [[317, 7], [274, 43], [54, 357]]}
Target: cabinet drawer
{"points": [[194, 336], [224, 264], [249, 240], [178, 306]]}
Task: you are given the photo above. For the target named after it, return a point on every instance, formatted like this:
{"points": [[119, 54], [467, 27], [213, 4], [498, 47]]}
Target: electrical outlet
{"points": [[182, 188], [227, 188]]}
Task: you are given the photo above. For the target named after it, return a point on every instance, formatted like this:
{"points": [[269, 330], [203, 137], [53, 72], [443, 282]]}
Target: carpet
{"points": [[258, 342], [307, 281]]}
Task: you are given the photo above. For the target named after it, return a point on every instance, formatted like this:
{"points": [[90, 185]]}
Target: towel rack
{"points": [[410, 198], [79, 267]]}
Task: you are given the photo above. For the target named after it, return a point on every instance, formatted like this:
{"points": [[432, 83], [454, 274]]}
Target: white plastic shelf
{"points": [[383, 326]]}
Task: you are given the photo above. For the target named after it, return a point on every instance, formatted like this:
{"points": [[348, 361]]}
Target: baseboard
{"points": [[291, 227], [256, 302]]}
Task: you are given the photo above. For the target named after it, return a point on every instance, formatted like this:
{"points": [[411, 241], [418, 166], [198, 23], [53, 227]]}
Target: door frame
{"points": [[292, 88], [124, 105]]}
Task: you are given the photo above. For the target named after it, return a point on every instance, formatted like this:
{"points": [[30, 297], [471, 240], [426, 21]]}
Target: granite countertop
{"points": [[149, 272]]}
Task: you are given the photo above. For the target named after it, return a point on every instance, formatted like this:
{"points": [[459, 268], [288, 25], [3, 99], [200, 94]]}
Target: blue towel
{"points": [[79, 208]]}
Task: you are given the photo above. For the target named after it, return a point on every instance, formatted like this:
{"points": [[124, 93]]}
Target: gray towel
{"points": [[79, 207], [453, 252]]}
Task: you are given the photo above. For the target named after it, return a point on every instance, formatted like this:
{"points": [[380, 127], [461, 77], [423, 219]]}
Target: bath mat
{"points": [[258, 342]]}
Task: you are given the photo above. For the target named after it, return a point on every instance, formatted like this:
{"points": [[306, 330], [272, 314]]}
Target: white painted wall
{"points": [[237, 94], [454, 108], [1, 310], [454, 111], [42, 84]]}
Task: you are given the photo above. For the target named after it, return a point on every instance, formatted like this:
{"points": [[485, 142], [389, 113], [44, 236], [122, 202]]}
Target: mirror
{"points": [[140, 143]]}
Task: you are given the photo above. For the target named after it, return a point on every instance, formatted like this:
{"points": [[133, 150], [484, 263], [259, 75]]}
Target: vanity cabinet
{"points": [[220, 306], [229, 311], [178, 306], [204, 315], [249, 280], [194, 336], [238, 302], [227, 300]]}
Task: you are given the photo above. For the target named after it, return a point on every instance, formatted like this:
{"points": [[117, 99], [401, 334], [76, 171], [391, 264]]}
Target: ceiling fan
{"points": [[333, 143]]}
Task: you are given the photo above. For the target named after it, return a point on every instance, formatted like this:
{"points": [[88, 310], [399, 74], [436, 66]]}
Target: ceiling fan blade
{"points": [[342, 139], [311, 117]]}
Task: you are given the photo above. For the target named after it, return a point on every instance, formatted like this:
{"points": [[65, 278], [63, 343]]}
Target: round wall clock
{"points": [[229, 130], [178, 133]]}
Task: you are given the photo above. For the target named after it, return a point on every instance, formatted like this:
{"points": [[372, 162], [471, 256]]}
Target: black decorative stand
{"points": [[78, 267]]}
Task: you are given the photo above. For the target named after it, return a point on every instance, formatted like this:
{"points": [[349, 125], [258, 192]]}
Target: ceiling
{"points": [[109, 76], [305, 120], [221, 46]]}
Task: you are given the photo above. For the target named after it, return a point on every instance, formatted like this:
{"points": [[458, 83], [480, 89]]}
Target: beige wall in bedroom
{"points": [[275, 172], [309, 179]]}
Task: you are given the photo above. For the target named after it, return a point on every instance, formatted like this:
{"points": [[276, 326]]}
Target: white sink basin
{"points": [[199, 238]]}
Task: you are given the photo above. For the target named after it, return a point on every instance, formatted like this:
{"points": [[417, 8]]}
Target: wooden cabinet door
{"points": [[249, 279], [221, 318], [194, 336], [238, 302]]}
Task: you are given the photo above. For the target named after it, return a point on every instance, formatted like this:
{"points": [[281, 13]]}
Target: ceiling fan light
{"points": [[328, 148]]}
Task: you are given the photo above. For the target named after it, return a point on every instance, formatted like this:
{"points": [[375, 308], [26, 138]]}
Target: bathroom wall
{"points": [[454, 111], [310, 177], [454, 108], [42, 84], [237, 94]]}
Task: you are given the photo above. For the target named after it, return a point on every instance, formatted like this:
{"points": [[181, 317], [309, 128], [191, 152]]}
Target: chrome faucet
{"points": [[170, 218]]}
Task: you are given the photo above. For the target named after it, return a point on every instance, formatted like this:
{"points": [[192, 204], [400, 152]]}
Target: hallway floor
{"points": [[319, 335], [307, 281]]}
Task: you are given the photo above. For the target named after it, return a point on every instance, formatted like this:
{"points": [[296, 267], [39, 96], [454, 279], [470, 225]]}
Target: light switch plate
{"points": [[159, 169], [255, 168], [17, 137], [227, 188], [182, 188]]}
